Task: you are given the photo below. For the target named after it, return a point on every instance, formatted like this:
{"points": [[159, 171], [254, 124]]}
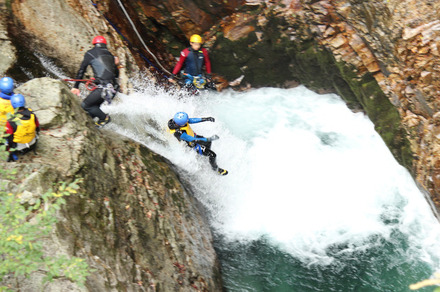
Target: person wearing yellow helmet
{"points": [[192, 59]]}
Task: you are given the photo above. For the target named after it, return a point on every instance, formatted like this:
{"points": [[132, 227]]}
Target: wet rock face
{"points": [[7, 50], [380, 56], [313, 45], [131, 220], [62, 31], [404, 42]]}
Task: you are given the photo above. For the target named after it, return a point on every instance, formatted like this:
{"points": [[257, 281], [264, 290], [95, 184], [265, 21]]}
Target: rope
{"points": [[140, 38], [131, 45], [89, 83]]}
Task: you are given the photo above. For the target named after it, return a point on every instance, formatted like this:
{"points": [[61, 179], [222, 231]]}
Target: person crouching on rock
{"points": [[23, 136], [192, 60], [106, 72], [6, 92], [179, 126]]}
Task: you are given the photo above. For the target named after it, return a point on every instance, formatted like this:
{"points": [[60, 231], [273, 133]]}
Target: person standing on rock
{"points": [[23, 136], [179, 126], [192, 60], [106, 72], [6, 92]]}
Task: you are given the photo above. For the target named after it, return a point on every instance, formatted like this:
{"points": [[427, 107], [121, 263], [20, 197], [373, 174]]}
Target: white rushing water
{"points": [[306, 173]]}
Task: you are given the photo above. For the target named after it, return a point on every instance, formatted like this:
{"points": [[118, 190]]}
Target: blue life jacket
{"points": [[194, 62]]}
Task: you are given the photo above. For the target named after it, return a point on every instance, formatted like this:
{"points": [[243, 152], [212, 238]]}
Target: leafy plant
{"points": [[23, 228]]}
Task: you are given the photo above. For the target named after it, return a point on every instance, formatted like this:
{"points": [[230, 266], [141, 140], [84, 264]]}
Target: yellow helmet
{"points": [[195, 38]]}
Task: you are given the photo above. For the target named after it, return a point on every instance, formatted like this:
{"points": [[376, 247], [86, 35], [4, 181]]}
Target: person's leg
{"points": [[212, 158], [92, 103], [206, 144], [205, 149]]}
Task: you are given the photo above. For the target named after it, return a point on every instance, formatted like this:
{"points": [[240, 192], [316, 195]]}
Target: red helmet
{"points": [[99, 40]]}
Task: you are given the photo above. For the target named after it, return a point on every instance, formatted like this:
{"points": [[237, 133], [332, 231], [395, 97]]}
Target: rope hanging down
{"points": [[140, 38], [127, 40]]}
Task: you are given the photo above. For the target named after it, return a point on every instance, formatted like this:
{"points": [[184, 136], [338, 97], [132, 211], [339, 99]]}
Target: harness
{"points": [[108, 92]]}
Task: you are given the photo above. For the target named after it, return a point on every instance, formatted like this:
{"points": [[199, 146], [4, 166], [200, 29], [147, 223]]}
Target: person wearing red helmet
{"points": [[106, 72]]}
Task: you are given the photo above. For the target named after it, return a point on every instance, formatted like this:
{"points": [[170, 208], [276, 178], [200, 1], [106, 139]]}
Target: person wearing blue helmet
{"points": [[179, 126], [22, 137], [6, 92]]}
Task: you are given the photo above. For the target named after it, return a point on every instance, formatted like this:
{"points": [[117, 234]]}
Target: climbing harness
{"points": [[198, 81], [108, 92]]}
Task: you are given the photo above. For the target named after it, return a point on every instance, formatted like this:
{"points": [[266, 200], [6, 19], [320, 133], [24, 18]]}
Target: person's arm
{"points": [[37, 124], [118, 65], [198, 120], [188, 138], [179, 65], [82, 70], [207, 61], [11, 127]]}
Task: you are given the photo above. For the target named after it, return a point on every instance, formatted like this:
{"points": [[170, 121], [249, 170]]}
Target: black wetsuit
{"points": [[105, 72], [199, 143]]}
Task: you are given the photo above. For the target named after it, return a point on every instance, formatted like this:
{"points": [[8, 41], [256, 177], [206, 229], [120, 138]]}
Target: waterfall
{"points": [[311, 185]]}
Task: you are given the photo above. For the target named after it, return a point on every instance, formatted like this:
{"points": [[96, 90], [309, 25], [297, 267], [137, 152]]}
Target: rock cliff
{"points": [[132, 220], [380, 56]]}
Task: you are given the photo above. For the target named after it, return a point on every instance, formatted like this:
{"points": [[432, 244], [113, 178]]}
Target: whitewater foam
{"points": [[306, 173]]}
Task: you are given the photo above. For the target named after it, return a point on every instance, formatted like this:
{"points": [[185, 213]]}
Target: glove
{"points": [[209, 119], [212, 138], [172, 78]]}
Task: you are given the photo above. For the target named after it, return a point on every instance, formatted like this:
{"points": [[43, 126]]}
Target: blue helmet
{"points": [[6, 85], [181, 118], [17, 100]]}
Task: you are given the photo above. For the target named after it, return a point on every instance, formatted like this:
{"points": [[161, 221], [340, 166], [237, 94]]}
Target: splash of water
{"points": [[306, 173]]}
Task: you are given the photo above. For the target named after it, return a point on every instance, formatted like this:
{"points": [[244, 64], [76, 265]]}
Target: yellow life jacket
{"points": [[25, 132], [5, 108], [188, 130], [185, 128]]}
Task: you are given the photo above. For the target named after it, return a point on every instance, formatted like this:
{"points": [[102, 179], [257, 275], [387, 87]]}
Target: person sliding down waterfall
{"points": [[106, 72], [192, 60], [179, 126]]}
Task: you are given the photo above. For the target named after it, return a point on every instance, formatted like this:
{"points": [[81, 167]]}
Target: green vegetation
{"points": [[25, 226]]}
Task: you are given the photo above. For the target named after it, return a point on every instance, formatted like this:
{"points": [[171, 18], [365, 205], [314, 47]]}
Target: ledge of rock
{"points": [[131, 220]]}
